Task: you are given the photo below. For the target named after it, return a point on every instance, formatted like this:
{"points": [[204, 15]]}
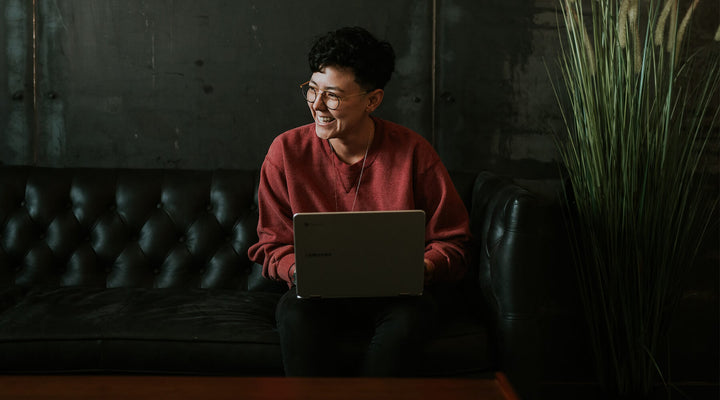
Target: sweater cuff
{"points": [[285, 266]]}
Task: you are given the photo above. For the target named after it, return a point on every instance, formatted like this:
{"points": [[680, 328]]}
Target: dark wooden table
{"points": [[77, 387]]}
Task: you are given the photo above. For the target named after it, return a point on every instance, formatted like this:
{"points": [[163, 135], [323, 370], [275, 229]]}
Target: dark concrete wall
{"points": [[16, 91], [187, 84], [496, 109], [190, 84]]}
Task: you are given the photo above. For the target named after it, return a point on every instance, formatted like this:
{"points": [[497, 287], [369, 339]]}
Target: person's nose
{"points": [[319, 103]]}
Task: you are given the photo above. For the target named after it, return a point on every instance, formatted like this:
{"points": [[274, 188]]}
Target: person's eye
{"points": [[332, 95]]}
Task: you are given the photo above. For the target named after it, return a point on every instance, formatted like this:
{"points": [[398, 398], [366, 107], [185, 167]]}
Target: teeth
{"points": [[326, 119]]}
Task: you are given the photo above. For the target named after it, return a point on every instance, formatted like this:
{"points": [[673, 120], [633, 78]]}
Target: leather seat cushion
{"points": [[132, 329]]}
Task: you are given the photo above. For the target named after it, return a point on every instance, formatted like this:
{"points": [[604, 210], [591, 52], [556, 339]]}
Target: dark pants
{"points": [[368, 337]]}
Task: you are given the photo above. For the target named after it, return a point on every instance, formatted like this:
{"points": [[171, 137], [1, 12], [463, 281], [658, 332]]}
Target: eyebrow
{"points": [[335, 88]]}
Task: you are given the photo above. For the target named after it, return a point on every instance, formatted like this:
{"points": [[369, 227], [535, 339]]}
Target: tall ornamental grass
{"points": [[639, 110]]}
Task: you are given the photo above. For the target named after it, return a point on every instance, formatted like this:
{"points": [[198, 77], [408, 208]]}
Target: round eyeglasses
{"points": [[332, 101]]}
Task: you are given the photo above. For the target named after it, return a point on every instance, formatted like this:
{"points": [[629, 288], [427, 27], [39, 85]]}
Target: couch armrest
{"points": [[509, 230]]}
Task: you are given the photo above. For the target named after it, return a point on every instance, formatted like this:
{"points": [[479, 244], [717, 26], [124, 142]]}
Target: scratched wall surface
{"points": [[188, 84], [16, 141], [494, 93]]}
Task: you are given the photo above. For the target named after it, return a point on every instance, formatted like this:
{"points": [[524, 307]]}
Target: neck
{"points": [[354, 148]]}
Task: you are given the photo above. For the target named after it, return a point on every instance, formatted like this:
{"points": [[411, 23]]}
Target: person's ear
{"points": [[375, 98]]}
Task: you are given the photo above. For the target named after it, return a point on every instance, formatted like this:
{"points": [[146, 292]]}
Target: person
{"points": [[350, 160]]}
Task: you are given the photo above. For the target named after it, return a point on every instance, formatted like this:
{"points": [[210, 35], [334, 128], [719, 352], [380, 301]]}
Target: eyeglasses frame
{"points": [[321, 93]]}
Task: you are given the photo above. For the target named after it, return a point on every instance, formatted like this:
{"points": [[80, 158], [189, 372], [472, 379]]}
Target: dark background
{"points": [[189, 84], [208, 84]]}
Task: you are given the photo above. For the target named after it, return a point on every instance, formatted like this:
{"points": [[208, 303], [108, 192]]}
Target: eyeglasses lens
{"points": [[330, 99], [309, 93]]}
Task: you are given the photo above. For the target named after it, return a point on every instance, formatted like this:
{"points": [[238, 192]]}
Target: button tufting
{"points": [[209, 207], [159, 205], [23, 203]]}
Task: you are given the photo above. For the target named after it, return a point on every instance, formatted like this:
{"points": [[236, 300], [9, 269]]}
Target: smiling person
{"points": [[350, 160]]}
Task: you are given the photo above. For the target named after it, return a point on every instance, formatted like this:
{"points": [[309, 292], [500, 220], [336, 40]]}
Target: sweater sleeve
{"points": [[274, 249], [447, 225]]}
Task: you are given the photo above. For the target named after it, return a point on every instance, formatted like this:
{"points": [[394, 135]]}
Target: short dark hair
{"points": [[372, 60]]}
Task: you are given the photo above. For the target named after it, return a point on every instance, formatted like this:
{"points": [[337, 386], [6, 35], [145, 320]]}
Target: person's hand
{"points": [[428, 269]]}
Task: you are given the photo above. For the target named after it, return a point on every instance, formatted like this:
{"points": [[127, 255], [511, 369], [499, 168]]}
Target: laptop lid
{"points": [[359, 254]]}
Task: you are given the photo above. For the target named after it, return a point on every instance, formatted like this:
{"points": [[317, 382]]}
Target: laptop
{"points": [[359, 254]]}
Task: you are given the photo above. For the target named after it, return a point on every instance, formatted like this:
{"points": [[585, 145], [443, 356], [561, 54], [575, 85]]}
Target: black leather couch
{"points": [[146, 271]]}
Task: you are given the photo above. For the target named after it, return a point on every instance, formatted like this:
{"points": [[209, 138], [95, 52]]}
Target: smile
{"points": [[325, 120]]}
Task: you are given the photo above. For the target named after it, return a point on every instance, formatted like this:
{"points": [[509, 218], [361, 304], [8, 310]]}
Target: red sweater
{"points": [[402, 172]]}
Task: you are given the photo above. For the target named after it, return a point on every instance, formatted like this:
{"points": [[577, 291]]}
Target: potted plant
{"points": [[639, 109]]}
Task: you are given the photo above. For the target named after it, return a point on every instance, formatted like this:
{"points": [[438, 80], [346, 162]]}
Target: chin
{"points": [[323, 132], [324, 137]]}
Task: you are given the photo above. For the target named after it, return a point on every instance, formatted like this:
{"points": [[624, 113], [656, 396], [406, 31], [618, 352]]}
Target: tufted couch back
{"points": [[125, 227]]}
